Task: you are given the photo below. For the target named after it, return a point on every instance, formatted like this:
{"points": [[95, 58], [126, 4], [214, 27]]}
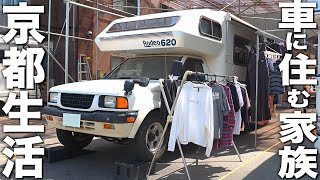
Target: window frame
{"points": [[143, 21], [210, 35]]}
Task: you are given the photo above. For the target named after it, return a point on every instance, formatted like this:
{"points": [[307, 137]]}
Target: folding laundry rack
{"points": [[170, 118]]}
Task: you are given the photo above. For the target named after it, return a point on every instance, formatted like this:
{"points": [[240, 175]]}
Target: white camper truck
{"points": [[4, 92], [203, 40]]}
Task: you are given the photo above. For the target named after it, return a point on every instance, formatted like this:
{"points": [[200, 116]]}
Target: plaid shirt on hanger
{"points": [[228, 123]]}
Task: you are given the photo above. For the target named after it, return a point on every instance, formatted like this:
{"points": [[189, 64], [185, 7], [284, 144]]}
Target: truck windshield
{"points": [[153, 67]]}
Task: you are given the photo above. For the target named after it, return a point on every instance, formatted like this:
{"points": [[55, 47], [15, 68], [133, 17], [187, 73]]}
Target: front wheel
{"points": [[73, 140], [148, 137]]}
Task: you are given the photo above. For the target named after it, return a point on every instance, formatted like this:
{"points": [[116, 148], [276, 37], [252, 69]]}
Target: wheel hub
{"points": [[153, 136]]}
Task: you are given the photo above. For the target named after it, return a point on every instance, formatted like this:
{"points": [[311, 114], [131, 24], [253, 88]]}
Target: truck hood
{"points": [[97, 87]]}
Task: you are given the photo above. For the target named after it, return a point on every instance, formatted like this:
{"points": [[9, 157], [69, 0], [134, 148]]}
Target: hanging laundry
{"points": [[245, 108], [220, 108], [237, 126], [193, 117], [235, 96], [263, 86], [228, 122], [170, 89], [275, 76]]}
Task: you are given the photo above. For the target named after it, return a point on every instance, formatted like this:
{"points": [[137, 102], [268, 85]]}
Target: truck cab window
{"points": [[193, 64], [153, 67]]}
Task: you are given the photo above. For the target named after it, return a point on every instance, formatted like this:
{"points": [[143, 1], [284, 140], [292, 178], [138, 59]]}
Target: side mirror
{"points": [[176, 68], [129, 85], [143, 81]]}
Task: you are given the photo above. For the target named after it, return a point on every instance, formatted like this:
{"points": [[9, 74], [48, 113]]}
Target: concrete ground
{"points": [[262, 163]]}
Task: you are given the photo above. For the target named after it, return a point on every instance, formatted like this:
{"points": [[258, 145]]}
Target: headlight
{"points": [[115, 102], [110, 101], [53, 97]]}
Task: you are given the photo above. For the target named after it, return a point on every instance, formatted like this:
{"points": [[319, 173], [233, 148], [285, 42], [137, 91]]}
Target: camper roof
{"points": [[144, 34], [189, 12]]}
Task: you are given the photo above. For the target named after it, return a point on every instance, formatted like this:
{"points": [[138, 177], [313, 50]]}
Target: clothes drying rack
{"points": [[170, 118]]}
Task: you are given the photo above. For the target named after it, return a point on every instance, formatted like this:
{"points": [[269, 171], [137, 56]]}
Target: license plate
{"points": [[71, 120]]}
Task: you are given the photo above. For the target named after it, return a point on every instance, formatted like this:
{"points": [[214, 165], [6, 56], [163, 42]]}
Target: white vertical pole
{"points": [[318, 72], [185, 4], [66, 58], [256, 100], [97, 31], [318, 63], [139, 7], [73, 22], [48, 58]]}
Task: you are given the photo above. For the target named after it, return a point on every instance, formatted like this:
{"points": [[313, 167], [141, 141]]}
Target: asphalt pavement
{"points": [[262, 162]]}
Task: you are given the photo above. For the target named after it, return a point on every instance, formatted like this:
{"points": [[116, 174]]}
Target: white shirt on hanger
{"points": [[193, 117], [238, 119]]}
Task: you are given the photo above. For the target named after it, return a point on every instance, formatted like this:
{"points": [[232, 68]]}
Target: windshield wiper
{"points": [[123, 78]]}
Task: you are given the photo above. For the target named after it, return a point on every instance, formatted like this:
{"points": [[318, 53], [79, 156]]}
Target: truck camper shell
{"points": [[137, 34], [185, 33]]}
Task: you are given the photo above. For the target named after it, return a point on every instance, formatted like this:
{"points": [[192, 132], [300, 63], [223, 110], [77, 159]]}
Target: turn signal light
{"points": [[50, 118], [131, 119], [122, 103], [107, 126]]}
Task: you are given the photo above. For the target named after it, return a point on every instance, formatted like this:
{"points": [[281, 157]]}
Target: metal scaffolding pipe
{"points": [[55, 60], [66, 58], [111, 7], [138, 8], [318, 54], [229, 4], [73, 21], [48, 58], [318, 78], [253, 17], [93, 8], [258, 1], [97, 32], [135, 7], [256, 100], [56, 34]]}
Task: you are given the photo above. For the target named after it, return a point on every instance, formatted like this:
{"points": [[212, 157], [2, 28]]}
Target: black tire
{"points": [[142, 150], [73, 140]]}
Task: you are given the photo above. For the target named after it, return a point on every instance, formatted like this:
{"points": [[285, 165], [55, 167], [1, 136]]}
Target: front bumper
{"points": [[93, 122]]}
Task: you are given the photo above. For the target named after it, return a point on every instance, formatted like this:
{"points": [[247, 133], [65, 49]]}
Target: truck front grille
{"points": [[82, 101]]}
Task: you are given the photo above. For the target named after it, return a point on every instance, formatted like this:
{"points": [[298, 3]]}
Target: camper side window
{"points": [[240, 52], [210, 28]]}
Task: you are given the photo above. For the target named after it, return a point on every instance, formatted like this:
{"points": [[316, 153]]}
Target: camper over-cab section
{"points": [[193, 32]]}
